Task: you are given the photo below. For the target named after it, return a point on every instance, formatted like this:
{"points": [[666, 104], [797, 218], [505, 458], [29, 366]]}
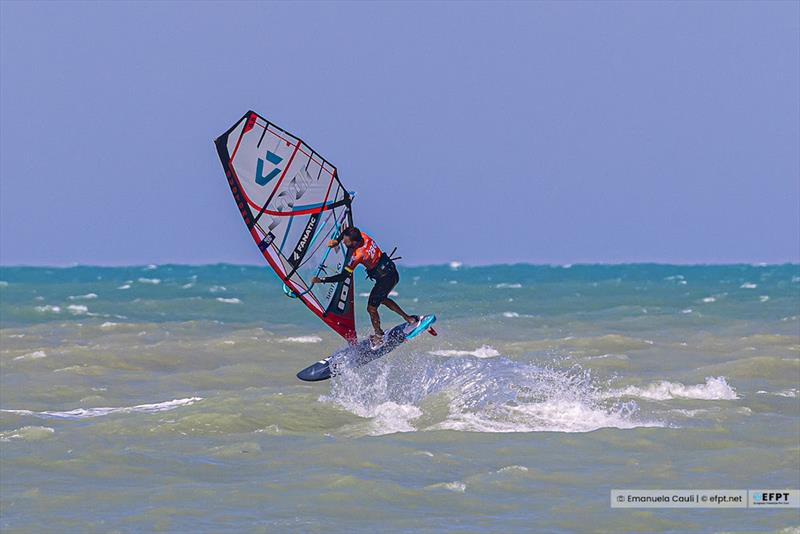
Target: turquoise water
{"points": [[163, 398]]}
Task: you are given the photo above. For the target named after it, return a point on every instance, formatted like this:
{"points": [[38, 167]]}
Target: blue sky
{"points": [[481, 132]]}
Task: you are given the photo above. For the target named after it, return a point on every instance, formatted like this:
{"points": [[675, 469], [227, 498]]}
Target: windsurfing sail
{"points": [[293, 203]]}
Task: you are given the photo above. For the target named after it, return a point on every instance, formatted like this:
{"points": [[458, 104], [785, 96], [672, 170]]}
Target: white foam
{"points": [[714, 388], [229, 301], [484, 351], [87, 296], [32, 355], [389, 417], [511, 468], [608, 356], [687, 310], [124, 286], [152, 281], [748, 285], [187, 286], [552, 415], [217, 289], [709, 299], [508, 286], [83, 413], [763, 298], [303, 339], [77, 309], [151, 267], [28, 433], [108, 324], [48, 308], [455, 264], [455, 486], [789, 393], [510, 314]]}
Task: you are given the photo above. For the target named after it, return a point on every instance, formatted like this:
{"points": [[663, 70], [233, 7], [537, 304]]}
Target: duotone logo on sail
{"points": [[262, 179]]}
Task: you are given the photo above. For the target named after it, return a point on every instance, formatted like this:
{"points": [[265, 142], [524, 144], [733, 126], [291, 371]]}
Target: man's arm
{"points": [[348, 269], [342, 276]]}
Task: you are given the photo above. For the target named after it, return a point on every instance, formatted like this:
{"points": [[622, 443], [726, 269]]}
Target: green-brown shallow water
{"points": [[164, 399]]}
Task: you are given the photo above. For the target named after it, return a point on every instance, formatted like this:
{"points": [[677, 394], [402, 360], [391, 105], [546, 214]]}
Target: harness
{"points": [[385, 266]]}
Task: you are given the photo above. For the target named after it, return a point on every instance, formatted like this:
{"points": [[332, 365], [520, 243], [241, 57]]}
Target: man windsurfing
{"points": [[380, 268]]}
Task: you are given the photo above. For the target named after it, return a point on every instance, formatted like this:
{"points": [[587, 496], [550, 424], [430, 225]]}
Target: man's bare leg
{"points": [[376, 319], [392, 305]]}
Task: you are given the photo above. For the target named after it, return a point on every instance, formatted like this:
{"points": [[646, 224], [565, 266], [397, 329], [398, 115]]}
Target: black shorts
{"points": [[383, 286]]}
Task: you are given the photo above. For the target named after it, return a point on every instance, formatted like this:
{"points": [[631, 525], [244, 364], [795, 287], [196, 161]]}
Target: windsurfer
{"points": [[380, 268]]}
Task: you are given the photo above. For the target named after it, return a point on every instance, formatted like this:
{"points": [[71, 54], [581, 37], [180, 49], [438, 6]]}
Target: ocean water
{"points": [[164, 399]]}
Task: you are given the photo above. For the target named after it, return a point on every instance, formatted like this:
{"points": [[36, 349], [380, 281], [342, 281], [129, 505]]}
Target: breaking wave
{"points": [[418, 393]]}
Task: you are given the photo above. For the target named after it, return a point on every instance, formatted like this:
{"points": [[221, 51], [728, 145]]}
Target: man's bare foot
{"points": [[376, 340]]}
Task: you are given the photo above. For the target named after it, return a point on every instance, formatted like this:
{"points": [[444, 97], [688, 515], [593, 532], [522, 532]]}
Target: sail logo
{"points": [[342, 305], [261, 178], [305, 239]]}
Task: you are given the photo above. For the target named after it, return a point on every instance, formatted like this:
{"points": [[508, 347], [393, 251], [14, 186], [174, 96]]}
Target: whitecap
{"points": [[87, 296], [229, 301], [687, 310], [455, 486], [789, 393], [303, 339], [714, 388], [77, 309], [763, 298], [552, 415], [508, 286], [151, 267], [748, 285], [124, 286], [510, 314], [512, 468], [83, 413], [108, 324], [48, 308], [709, 299], [32, 355], [217, 289], [152, 281], [485, 351], [27, 433], [455, 264]]}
